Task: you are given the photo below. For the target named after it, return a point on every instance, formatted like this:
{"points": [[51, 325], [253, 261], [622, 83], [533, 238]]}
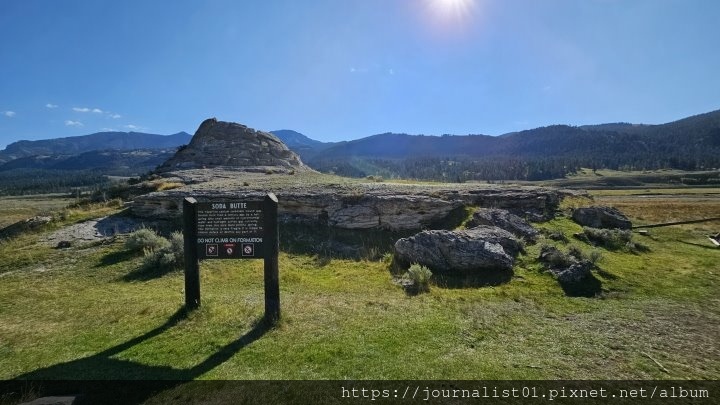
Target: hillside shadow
{"points": [[101, 378]]}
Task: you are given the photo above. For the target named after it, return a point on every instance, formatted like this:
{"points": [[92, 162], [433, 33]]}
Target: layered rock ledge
{"points": [[349, 204]]}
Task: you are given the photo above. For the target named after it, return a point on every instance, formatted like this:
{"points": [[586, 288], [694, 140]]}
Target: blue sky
{"points": [[344, 69]]}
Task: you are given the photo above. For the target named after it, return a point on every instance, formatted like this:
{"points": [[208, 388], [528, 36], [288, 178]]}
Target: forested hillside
{"points": [[537, 154]]}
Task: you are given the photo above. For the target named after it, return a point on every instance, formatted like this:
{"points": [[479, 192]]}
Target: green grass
{"points": [[74, 314]]}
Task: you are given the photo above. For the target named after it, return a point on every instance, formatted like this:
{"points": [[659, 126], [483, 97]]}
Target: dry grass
{"points": [[664, 206], [14, 209]]}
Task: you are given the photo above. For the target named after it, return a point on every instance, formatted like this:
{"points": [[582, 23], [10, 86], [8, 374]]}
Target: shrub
{"points": [[171, 256], [558, 236], [387, 258], [554, 258], [595, 257], [166, 185], [613, 239], [145, 240], [420, 277], [576, 253]]}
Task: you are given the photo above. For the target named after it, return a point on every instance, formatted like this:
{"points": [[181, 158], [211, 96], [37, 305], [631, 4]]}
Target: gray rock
{"points": [[578, 281], [505, 220], [574, 276], [480, 248], [63, 244], [553, 258], [228, 144], [601, 217], [26, 225]]}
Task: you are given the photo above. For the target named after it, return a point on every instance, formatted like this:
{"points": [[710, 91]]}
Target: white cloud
{"points": [[108, 129], [9, 114], [135, 127], [97, 110], [81, 109], [70, 123], [51, 106], [115, 116]]}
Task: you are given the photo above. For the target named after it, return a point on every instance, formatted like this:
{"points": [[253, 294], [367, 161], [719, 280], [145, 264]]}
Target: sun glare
{"points": [[451, 9]]}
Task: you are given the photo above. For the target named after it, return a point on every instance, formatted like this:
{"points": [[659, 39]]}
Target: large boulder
{"points": [[26, 225], [480, 248], [505, 220], [601, 217]]}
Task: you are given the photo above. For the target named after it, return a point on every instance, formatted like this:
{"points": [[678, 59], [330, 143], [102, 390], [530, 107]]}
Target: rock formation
{"points": [[393, 207], [505, 220], [574, 275], [231, 145], [476, 249], [601, 217]]}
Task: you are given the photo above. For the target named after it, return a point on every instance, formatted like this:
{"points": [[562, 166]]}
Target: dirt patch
{"points": [[94, 229]]}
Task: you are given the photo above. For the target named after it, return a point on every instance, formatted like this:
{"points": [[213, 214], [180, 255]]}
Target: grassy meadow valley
{"points": [[96, 311]]}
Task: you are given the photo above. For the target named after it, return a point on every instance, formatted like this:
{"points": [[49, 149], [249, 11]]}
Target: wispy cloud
{"points": [[81, 109], [108, 129], [51, 106], [71, 123], [135, 127], [97, 110], [115, 116], [9, 114]]}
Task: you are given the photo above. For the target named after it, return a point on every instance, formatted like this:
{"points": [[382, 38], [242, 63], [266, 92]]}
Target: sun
{"points": [[456, 9]]}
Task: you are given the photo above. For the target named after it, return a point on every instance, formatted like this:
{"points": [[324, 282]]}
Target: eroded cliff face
{"points": [[229, 144], [394, 207]]}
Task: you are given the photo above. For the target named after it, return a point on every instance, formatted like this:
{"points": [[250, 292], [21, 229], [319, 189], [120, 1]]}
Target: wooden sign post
{"points": [[232, 229]]}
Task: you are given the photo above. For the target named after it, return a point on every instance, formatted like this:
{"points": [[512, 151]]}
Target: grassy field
{"points": [[13, 209], [89, 312], [657, 179]]}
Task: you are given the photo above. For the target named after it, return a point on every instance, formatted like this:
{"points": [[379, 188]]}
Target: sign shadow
{"points": [[78, 376]]}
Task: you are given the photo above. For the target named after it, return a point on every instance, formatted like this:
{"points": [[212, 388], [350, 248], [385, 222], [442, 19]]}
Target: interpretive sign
{"points": [[232, 229]]}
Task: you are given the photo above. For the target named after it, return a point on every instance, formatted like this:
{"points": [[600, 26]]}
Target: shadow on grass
{"points": [[113, 258], [101, 377], [145, 273], [480, 279], [588, 287], [329, 243]]}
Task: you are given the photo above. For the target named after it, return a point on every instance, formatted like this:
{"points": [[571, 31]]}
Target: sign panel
{"points": [[230, 230]]}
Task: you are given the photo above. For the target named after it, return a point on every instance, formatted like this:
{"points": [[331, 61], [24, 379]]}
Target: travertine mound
{"points": [[231, 145]]}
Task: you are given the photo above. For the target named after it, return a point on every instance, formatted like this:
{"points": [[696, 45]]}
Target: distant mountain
{"points": [[113, 153], [302, 145], [110, 162], [692, 143], [295, 139], [97, 141]]}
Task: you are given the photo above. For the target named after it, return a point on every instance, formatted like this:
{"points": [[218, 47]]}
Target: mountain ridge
{"points": [[691, 143], [110, 140]]}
